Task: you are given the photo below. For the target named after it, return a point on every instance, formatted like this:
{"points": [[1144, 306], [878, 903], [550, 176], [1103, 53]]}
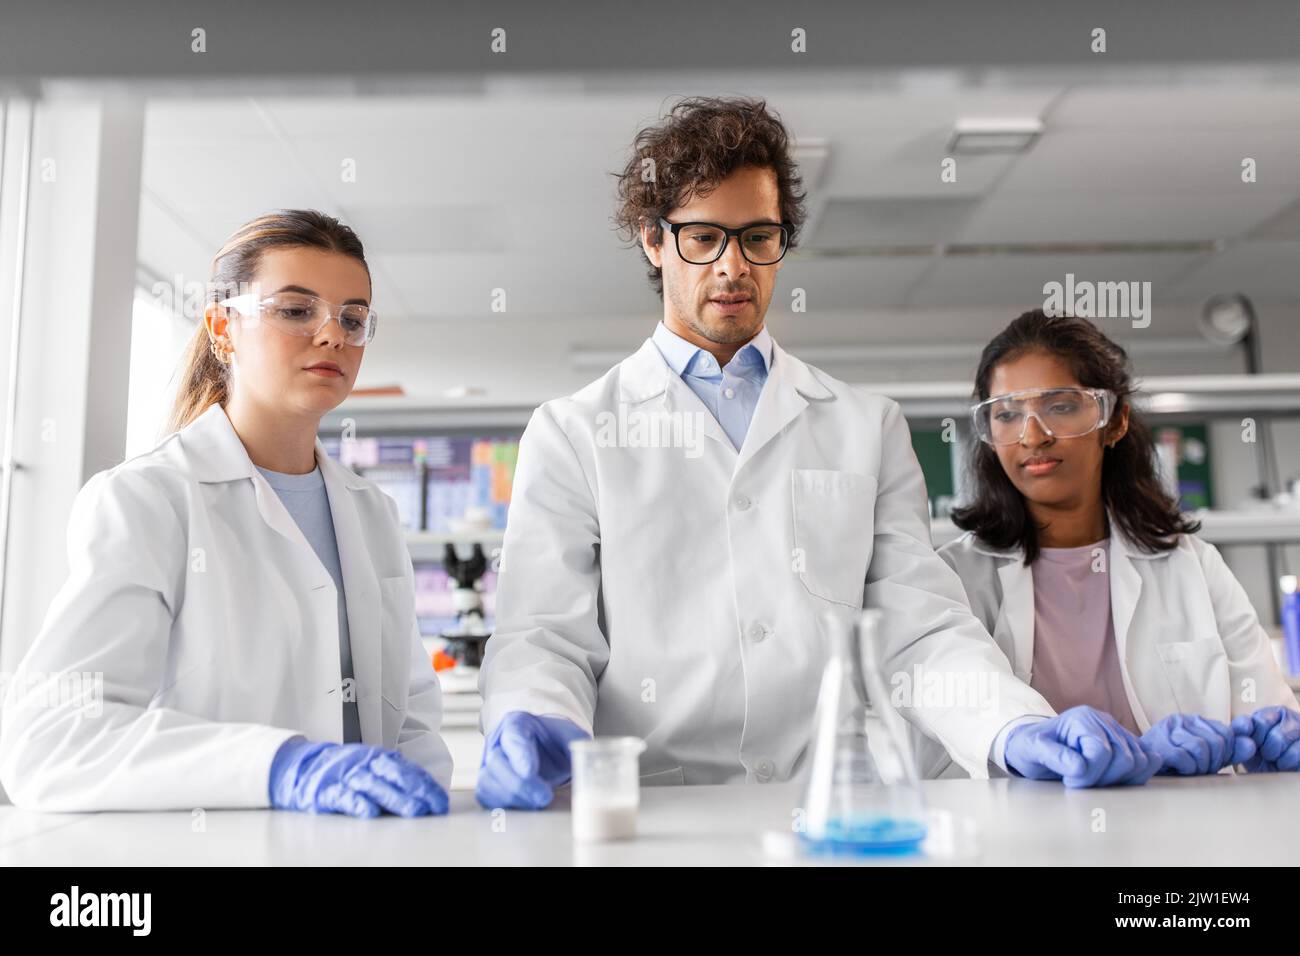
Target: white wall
{"points": [[75, 352]]}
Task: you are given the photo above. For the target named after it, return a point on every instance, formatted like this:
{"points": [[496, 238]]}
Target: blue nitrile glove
{"points": [[1276, 732], [1189, 744], [525, 759], [354, 779], [1082, 747]]}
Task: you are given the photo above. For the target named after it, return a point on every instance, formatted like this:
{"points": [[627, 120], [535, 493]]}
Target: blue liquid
{"points": [[869, 835]]}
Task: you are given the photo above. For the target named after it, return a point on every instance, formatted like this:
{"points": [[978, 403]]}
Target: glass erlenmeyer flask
{"points": [[862, 792]]}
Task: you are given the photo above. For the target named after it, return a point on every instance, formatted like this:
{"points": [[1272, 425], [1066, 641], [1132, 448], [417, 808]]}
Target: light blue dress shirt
{"points": [[730, 393], [306, 500]]}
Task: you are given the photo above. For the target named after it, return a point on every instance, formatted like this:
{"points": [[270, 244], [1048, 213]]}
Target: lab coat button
{"points": [[742, 503], [763, 770], [757, 632]]}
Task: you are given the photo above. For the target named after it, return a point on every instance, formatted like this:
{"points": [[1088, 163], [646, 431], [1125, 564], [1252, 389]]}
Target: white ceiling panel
{"points": [[1158, 160], [1118, 217], [449, 286], [1267, 271], [1019, 280], [1184, 106], [848, 285]]}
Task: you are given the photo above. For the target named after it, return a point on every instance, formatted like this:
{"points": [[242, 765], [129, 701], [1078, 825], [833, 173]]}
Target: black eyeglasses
{"points": [[700, 243]]}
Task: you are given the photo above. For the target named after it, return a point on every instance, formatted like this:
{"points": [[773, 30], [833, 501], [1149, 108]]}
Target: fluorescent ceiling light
{"points": [[995, 135]]}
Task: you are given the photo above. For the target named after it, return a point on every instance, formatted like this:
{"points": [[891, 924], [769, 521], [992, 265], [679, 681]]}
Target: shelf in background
{"points": [[1217, 527], [1205, 395], [428, 545], [1249, 527], [401, 416]]}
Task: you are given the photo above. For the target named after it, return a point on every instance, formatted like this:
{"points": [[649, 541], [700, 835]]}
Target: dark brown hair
{"points": [[698, 144], [1130, 488], [205, 380]]}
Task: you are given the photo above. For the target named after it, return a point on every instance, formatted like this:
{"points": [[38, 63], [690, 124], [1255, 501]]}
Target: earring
{"points": [[222, 355]]}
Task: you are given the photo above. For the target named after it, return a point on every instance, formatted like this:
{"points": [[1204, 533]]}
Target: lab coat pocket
{"points": [[1198, 676], [664, 778], [833, 515], [397, 625]]}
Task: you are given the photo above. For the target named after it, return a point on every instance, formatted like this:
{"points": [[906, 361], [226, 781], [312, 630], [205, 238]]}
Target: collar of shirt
{"points": [[282, 481], [752, 361]]}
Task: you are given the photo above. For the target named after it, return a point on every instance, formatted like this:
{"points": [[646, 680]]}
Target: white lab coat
{"points": [[1188, 639], [675, 594], [215, 628]]}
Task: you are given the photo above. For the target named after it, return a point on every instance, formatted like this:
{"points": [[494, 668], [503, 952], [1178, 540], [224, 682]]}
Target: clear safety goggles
{"points": [[296, 313], [1060, 412]]}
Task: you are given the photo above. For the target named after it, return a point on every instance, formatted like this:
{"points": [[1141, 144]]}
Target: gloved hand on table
{"points": [[1082, 747], [354, 779], [1190, 745], [1276, 733], [524, 759]]}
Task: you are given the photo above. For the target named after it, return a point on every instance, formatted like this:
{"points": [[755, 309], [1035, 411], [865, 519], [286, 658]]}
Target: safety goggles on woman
{"points": [[1061, 413], [296, 313]]}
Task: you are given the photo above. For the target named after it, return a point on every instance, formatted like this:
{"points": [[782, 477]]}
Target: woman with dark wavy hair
{"points": [[1089, 577]]}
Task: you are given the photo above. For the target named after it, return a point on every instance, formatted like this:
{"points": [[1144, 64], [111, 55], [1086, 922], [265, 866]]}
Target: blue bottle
{"points": [[1291, 623]]}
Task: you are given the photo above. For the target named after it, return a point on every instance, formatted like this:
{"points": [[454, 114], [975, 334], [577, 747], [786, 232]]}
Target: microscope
{"points": [[466, 640]]}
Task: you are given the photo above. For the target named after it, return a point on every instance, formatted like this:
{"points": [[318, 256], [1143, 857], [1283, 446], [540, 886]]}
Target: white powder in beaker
{"points": [[597, 820]]}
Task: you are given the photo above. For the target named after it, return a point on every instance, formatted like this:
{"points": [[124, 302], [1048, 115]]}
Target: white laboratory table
{"points": [[1204, 821]]}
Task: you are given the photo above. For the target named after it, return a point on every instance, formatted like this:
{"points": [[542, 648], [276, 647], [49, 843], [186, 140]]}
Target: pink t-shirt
{"points": [[1075, 657]]}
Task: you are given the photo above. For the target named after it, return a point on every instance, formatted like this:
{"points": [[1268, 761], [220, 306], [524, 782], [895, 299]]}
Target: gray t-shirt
{"points": [[305, 498]]}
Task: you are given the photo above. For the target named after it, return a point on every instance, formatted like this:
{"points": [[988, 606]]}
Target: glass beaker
{"points": [[606, 789], [862, 792]]}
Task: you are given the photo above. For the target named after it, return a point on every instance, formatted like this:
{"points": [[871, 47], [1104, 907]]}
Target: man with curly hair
{"points": [[680, 528]]}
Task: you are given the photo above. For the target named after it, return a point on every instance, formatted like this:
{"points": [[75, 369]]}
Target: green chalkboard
{"points": [[935, 456]]}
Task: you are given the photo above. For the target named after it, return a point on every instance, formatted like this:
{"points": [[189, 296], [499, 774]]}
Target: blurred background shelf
{"points": [[1213, 396], [1205, 395], [1217, 527], [429, 545]]}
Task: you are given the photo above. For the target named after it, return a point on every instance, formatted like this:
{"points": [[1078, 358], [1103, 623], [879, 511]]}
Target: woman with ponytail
{"points": [[239, 618], [1087, 575]]}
